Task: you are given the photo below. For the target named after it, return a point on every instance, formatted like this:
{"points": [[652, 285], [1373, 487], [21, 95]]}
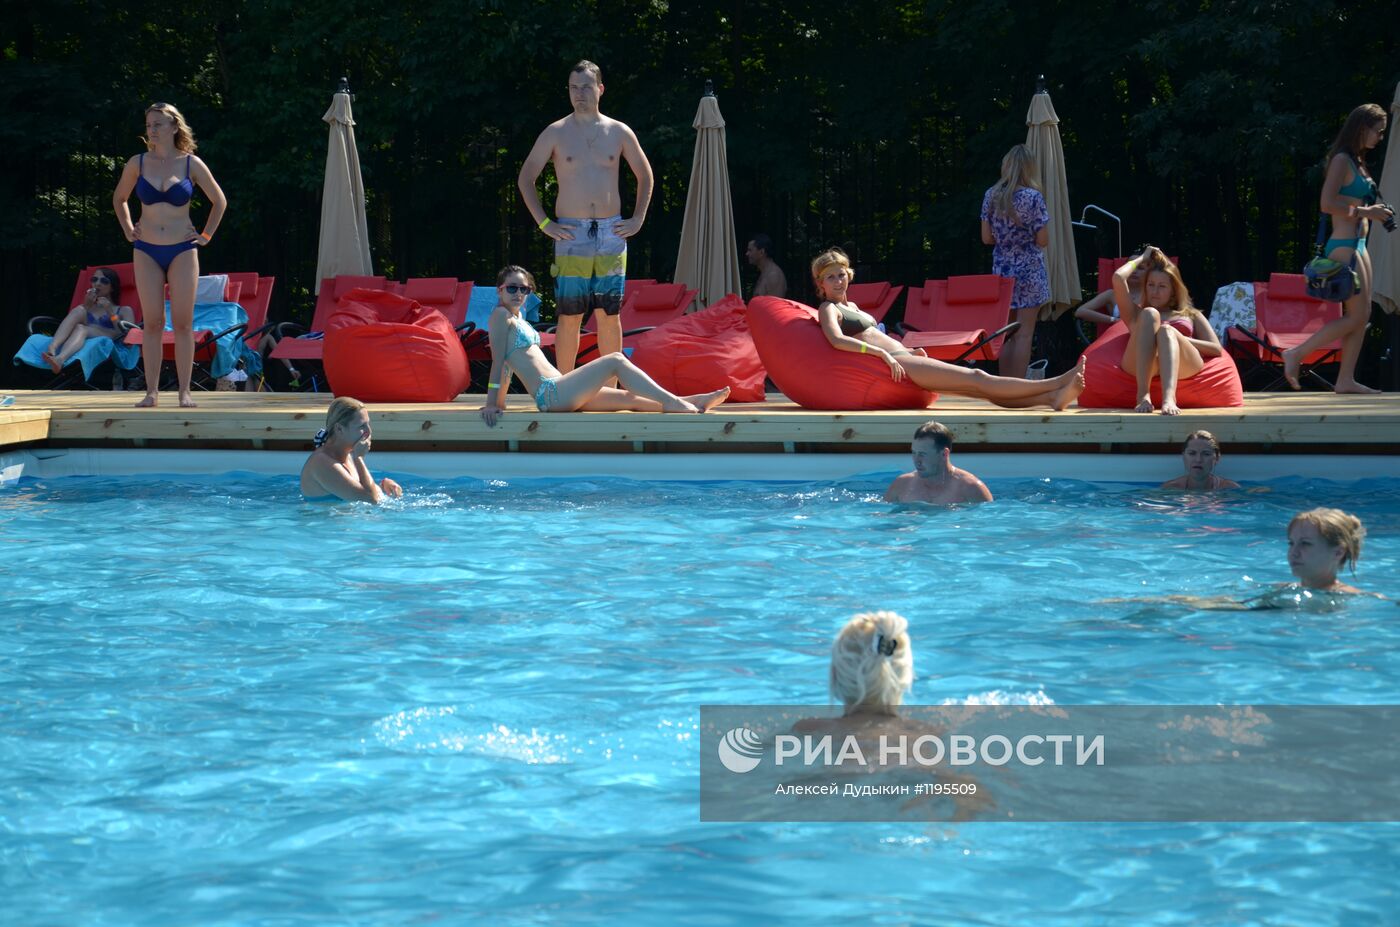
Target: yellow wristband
{"points": [[862, 347], [544, 223], [493, 386]]}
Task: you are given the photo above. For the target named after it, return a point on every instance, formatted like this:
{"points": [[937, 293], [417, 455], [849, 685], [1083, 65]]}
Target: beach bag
{"points": [[1328, 280]]}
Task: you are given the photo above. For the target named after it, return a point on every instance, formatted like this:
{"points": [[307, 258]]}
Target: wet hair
{"points": [[114, 282], [1158, 262], [1018, 169], [514, 269], [872, 661], [184, 135], [831, 257], [340, 411], [1348, 140], [587, 67], [937, 432], [1338, 528], [1202, 435], [763, 242]]}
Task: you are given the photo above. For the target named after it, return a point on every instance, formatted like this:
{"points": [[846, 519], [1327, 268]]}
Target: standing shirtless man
{"points": [[590, 235]]}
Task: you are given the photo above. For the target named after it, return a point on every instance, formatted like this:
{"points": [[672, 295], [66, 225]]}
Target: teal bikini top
{"points": [[522, 336], [1361, 187]]}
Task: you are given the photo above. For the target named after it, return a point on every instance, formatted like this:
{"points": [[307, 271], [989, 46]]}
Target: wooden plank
{"points": [[20, 426], [279, 419]]}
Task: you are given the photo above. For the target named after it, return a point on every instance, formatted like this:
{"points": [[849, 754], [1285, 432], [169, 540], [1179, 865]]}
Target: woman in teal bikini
{"points": [[1349, 197], [163, 179], [515, 347], [848, 328], [336, 469]]}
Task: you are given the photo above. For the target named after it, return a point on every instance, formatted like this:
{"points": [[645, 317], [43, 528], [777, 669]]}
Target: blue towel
{"points": [[483, 301], [231, 348], [93, 352]]}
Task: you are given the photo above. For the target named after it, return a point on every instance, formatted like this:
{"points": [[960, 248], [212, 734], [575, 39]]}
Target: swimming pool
{"points": [[224, 706]]}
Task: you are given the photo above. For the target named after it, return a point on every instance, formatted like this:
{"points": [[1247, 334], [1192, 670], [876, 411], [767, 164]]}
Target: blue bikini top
{"points": [[523, 335], [178, 194]]}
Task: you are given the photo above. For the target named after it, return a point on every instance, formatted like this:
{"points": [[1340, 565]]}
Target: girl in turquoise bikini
{"points": [[515, 349], [1349, 197]]}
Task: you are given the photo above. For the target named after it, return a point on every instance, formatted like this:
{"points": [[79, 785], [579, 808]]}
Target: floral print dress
{"points": [[1015, 254]]}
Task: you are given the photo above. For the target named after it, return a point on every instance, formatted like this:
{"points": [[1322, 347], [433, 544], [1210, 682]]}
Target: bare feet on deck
{"points": [[1070, 389], [707, 401], [1144, 405], [1291, 363], [1354, 388], [187, 401], [1169, 407], [149, 402], [679, 405], [52, 361]]}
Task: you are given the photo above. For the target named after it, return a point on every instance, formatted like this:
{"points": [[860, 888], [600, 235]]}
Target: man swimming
{"points": [[934, 479]]}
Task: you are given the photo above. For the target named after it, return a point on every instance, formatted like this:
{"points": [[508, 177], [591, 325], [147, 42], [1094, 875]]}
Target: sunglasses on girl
{"points": [[515, 289], [98, 278]]}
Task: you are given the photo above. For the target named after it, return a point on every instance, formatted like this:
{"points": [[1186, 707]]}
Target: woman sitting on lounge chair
{"points": [[847, 328], [515, 348], [99, 315], [1168, 337], [336, 469]]}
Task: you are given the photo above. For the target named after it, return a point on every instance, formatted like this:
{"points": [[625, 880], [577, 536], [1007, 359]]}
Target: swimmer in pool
{"points": [[934, 479], [1200, 453], [336, 469], [1320, 543], [872, 667]]}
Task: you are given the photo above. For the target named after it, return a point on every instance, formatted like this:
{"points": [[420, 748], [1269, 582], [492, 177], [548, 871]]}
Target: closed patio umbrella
{"points": [[1043, 139], [344, 246], [708, 259], [1383, 246]]}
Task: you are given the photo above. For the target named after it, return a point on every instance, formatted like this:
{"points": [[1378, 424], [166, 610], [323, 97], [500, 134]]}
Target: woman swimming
{"points": [[1200, 454], [515, 348], [336, 469], [848, 328]]}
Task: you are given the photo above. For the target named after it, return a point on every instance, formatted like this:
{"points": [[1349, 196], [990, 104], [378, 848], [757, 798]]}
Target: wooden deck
{"points": [[1268, 423]]}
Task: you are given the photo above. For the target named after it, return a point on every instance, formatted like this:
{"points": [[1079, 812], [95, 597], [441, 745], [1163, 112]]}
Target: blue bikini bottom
{"points": [[163, 254]]}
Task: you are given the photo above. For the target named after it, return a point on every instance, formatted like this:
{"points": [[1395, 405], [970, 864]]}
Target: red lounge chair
{"points": [[961, 319], [447, 295], [250, 291], [333, 289], [47, 324], [875, 298], [1284, 317], [649, 306]]}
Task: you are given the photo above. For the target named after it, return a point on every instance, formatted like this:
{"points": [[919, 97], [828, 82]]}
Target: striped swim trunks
{"points": [[590, 270]]}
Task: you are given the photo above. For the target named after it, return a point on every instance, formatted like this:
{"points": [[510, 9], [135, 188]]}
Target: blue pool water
{"points": [[224, 706]]}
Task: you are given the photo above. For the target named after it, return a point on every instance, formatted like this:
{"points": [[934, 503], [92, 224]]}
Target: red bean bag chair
{"points": [[381, 347], [703, 351], [1108, 386], [813, 374]]}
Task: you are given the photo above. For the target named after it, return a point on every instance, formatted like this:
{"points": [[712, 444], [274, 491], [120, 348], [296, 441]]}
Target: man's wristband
{"points": [[493, 386], [544, 223]]}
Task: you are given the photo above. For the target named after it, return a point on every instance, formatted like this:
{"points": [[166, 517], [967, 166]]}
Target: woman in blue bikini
{"points": [[515, 347], [99, 315], [163, 179], [1349, 197]]}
